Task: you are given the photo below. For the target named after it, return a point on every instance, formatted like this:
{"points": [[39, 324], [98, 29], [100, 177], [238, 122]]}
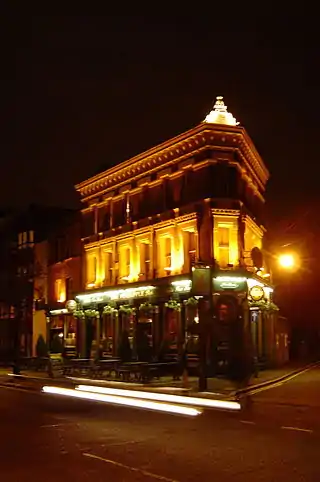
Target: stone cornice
{"points": [[176, 150], [257, 229], [141, 231], [225, 212]]}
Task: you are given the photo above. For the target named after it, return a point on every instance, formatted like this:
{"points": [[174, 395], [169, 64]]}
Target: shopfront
{"points": [[245, 320], [142, 322], [63, 332], [158, 321]]}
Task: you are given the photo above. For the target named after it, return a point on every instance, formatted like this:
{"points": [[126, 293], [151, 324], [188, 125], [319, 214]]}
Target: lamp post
{"points": [[202, 289]]}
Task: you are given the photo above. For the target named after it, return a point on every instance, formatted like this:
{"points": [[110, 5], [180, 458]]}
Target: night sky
{"points": [[89, 92]]}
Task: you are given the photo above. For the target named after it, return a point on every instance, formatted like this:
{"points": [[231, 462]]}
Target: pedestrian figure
{"points": [[184, 365]]}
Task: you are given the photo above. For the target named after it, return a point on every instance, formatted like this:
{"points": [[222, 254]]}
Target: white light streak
{"points": [[162, 397], [129, 402]]}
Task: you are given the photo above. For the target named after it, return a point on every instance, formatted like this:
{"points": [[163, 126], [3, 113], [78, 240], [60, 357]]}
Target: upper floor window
{"points": [[87, 223], [223, 246], [119, 209], [69, 288], [168, 255], [128, 210], [145, 260], [91, 270], [60, 290], [109, 268], [104, 220], [94, 268], [26, 238], [125, 258], [127, 261], [190, 250]]}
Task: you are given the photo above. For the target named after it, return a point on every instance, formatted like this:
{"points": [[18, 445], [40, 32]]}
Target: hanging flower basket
{"points": [[146, 307], [173, 305], [126, 309], [91, 313], [108, 310], [191, 302], [78, 314], [263, 306]]}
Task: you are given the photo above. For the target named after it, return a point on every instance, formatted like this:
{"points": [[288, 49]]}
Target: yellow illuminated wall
{"points": [[225, 240], [92, 268], [107, 264], [170, 257], [144, 255], [60, 290], [167, 249], [253, 236]]}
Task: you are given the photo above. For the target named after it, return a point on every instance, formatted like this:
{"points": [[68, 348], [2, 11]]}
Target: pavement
{"points": [[275, 438], [216, 387]]}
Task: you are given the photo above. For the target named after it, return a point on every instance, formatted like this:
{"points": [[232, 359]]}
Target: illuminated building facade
{"points": [[23, 278], [64, 281], [198, 197]]}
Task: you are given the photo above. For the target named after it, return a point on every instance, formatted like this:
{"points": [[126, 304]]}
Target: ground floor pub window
{"points": [[192, 326], [171, 329], [127, 321], [70, 343], [56, 334], [108, 331], [144, 332]]}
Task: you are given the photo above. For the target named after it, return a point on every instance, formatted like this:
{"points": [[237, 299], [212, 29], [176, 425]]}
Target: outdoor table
{"points": [[79, 366], [131, 371], [106, 367]]}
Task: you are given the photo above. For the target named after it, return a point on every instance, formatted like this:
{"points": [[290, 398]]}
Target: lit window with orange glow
{"points": [[109, 267], [224, 246], [92, 265], [125, 261], [168, 255], [60, 290], [145, 260], [189, 250]]}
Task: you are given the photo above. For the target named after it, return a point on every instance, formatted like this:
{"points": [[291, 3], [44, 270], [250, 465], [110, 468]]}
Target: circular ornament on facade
{"points": [[256, 293], [71, 305]]}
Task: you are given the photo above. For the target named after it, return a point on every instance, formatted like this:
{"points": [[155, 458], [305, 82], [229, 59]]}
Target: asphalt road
{"points": [[276, 438]]}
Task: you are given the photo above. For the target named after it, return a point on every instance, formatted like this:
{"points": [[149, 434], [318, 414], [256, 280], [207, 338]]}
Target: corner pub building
{"points": [[197, 198]]}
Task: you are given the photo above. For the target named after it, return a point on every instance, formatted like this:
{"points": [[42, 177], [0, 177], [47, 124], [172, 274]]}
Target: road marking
{"points": [[127, 442], [249, 422], [50, 426], [128, 467], [18, 389], [298, 429], [58, 425], [278, 383]]}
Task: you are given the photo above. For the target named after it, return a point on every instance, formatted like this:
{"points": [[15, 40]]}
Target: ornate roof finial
{"points": [[220, 114]]}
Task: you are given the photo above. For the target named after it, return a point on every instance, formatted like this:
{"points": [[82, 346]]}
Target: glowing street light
{"points": [[286, 261]]}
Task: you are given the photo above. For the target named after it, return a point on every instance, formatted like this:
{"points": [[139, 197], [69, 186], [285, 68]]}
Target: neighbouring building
{"points": [[23, 280], [64, 282], [40, 293], [197, 199], [8, 325]]}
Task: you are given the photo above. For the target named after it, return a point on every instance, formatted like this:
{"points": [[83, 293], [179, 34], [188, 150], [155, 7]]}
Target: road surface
{"points": [[276, 438]]}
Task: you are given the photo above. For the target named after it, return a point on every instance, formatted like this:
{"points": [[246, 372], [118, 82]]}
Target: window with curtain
{"points": [[224, 246]]}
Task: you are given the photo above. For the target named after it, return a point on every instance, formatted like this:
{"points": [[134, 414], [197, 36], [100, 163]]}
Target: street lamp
{"points": [[287, 261]]}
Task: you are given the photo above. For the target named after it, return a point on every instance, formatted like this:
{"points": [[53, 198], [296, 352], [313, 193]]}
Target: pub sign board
{"points": [[55, 366], [222, 283], [201, 281]]}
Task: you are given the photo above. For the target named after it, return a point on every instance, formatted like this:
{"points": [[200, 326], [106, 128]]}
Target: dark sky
{"points": [[92, 91]]}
